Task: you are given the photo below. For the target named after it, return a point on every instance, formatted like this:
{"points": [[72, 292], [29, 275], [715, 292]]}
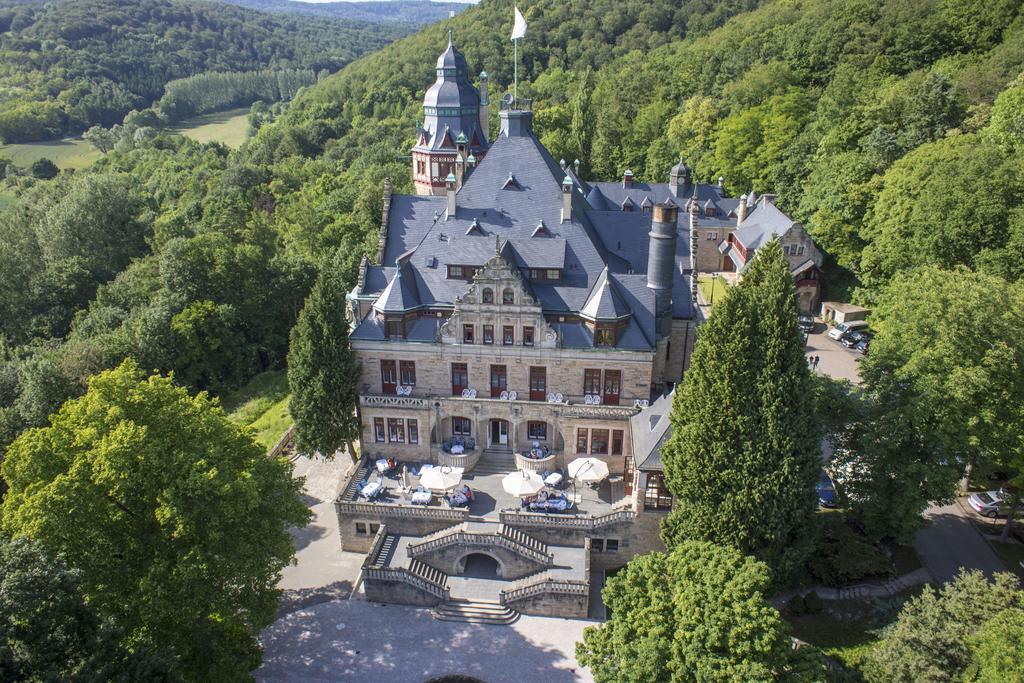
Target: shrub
{"points": [[797, 605], [844, 556], [813, 603]]}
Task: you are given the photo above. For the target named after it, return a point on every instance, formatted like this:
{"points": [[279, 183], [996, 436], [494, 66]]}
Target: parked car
{"points": [[826, 491], [862, 346], [840, 330], [851, 339], [989, 503], [806, 323]]}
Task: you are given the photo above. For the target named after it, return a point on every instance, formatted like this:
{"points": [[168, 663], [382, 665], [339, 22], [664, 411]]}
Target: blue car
{"points": [[826, 491]]}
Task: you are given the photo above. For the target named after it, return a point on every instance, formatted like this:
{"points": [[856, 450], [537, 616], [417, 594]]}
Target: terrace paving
{"points": [[490, 498]]}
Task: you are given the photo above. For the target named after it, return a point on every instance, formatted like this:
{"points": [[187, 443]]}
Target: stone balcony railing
{"points": [[467, 461], [550, 463], [396, 510], [571, 406], [584, 523], [540, 585]]}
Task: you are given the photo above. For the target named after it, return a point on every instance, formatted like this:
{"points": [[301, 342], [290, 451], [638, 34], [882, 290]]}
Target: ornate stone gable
{"points": [[499, 297]]}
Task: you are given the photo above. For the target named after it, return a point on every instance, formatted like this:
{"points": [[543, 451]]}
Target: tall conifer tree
{"points": [[323, 372], [745, 450]]}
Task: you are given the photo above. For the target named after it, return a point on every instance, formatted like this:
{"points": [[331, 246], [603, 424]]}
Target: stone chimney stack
{"points": [[627, 178], [449, 188], [721, 186], [661, 257], [567, 199], [741, 211], [485, 114], [694, 210]]}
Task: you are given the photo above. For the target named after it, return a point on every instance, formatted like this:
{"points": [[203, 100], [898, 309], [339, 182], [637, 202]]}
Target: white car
{"points": [[841, 329], [988, 503]]}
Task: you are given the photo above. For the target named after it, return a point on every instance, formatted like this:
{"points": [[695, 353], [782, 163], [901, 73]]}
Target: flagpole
{"points": [[515, 68]]}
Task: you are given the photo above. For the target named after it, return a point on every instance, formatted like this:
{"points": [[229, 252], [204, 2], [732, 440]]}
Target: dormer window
{"points": [[393, 328], [508, 296], [545, 274], [604, 335], [488, 296]]}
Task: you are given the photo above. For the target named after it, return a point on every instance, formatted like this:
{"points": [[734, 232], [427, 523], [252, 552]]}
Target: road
{"points": [[951, 542], [322, 571], [835, 360]]}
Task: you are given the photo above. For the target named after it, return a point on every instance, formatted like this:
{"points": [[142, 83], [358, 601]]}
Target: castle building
{"points": [[516, 318]]}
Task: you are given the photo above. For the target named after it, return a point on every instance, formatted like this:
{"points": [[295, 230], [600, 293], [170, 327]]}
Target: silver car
{"points": [[988, 503]]}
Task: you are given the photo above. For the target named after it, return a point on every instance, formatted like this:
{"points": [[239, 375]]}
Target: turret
{"points": [[679, 178], [661, 256], [452, 109]]}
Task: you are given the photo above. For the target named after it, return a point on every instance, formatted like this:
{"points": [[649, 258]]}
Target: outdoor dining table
{"points": [[553, 479], [382, 465], [458, 500], [421, 497], [458, 450], [371, 489]]}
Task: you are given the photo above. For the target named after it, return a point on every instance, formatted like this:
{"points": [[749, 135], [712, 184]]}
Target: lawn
{"points": [[66, 153], [711, 288], [263, 405], [228, 127]]}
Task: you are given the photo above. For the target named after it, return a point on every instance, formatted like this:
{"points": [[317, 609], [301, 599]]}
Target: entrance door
{"points": [[499, 432]]}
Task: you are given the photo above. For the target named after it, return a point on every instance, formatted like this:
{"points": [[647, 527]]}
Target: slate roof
{"points": [[605, 302], [761, 223], [649, 429]]}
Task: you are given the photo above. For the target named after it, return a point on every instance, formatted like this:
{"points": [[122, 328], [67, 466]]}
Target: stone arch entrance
{"points": [[479, 565]]}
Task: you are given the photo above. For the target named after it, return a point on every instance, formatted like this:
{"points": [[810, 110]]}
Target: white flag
{"points": [[519, 28]]}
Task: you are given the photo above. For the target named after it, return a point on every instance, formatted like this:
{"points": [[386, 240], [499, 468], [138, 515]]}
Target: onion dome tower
{"points": [[451, 127]]}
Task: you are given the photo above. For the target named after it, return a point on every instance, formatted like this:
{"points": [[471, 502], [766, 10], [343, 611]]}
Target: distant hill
{"points": [[383, 12], [69, 65]]}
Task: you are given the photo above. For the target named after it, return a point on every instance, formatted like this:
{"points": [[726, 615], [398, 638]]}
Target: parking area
{"points": [[835, 360]]}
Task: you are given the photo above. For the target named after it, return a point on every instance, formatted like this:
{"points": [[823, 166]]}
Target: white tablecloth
{"points": [[371, 489], [458, 450], [382, 465], [553, 479], [421, 497]]}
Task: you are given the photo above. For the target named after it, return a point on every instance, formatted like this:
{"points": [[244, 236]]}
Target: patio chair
{"points": [[470, 443]]}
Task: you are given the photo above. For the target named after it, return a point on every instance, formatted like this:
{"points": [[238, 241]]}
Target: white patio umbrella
{"points": [[522, 483], [588, 470], [441, 478]]}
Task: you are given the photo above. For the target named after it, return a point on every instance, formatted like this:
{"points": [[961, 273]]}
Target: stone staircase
{"points": [[522, 539], [495, 461], [427, 573], [351, 491], [475, 612], [383, 555]]}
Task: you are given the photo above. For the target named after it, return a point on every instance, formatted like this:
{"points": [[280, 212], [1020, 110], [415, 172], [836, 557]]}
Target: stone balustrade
{"points": [[388, 401], [571, 406], [385, 510], [405, 576], [545, 583], [572, 522], [467, 461], [463, 538], [550, 463]]}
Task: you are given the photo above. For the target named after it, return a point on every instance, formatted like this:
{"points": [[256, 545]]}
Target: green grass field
{"points": [[67, 153], [229, 127], [262, 404], [705, 283]]}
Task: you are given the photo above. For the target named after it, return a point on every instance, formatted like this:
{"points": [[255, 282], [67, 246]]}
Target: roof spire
{"points": [[450, 42], [497, 244]]}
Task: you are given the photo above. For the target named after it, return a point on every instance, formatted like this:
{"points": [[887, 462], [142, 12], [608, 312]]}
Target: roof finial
{"points": [[450, 43], [497, 244]]}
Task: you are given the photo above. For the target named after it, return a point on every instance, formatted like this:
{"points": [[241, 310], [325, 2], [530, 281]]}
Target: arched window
{"points": [[508, 296], [488, 296]]}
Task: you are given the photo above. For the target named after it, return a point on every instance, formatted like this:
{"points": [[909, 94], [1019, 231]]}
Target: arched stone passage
{"points": [[480, 565]]}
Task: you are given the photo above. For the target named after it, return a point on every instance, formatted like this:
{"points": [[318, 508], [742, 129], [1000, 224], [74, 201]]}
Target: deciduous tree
{"points": [[175, 517], [695, 614]]}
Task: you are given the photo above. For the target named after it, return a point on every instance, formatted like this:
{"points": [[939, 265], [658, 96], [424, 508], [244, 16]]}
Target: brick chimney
{"points": [[485, 114], [627, 178], [741, 211], [566, 199], [661, 256]]}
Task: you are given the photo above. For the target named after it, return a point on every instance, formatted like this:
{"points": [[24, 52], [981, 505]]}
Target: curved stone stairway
{"points": [[475, 612]]}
